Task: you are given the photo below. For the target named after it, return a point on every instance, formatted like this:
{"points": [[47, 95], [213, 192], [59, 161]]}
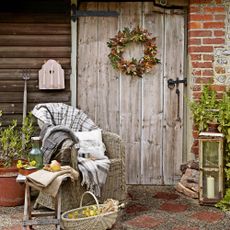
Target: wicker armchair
{"points": [[115, 186]]}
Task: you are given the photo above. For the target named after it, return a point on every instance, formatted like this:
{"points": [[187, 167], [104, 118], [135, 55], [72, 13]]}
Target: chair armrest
{"points": [[73, 157]]}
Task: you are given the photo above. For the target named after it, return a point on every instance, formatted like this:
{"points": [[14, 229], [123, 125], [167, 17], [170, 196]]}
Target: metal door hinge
{"points": [[80, 13]]}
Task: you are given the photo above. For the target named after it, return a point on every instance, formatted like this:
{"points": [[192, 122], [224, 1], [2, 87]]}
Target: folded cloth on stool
{"points": [[49, 182]]}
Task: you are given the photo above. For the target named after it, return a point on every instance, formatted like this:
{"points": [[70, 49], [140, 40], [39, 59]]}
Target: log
{"points": [[190, 179], [188, 192], [194, 164]]}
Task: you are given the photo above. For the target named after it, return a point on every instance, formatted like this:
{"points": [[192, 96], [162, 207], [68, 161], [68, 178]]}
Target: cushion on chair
{"points": [[90, 142]]}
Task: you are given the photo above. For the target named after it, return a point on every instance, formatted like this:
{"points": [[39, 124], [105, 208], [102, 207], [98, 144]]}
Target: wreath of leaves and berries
{"points": [[133, 67]]}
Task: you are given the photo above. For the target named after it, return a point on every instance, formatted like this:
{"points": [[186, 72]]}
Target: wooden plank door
{"points": [[142, 110], [173, 108]]}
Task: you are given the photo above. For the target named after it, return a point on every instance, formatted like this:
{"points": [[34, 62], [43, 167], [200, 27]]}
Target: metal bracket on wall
{"points": [[79, 13], [171, 4]]}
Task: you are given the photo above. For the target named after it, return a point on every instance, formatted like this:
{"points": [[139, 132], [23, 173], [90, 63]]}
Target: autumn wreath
{"points": [[133, 67]]}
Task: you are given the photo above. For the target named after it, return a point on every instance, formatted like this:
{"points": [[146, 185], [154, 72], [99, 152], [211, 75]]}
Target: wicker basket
{"points": [[102, 221]]}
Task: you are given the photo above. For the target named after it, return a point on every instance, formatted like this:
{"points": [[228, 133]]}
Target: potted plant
{"points": [[212, 110], [224, 127], [14, 145], [206, 110]]}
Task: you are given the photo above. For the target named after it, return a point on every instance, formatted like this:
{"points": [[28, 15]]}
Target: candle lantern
{"points": [[211, 180]]}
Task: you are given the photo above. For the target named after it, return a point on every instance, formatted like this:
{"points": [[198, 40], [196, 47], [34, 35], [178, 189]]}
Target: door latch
{"points": [[172, 83]]}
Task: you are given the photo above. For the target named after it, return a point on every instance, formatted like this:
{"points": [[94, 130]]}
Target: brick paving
{"points": [[185, 228], [208, 216], [173, 207], [135, 208], [148, 207], [163, 208], [166, 196], [144, 221], [16, 227]]}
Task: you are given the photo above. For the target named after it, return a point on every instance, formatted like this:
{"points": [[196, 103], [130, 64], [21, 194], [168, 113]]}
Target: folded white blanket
{"points": [[94, 173]]}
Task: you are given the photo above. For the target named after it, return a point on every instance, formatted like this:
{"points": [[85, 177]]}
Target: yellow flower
{"points": [[19, 165]]}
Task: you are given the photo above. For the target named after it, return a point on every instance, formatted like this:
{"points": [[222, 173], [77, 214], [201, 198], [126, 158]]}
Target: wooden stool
{"points": [[29, 214]]}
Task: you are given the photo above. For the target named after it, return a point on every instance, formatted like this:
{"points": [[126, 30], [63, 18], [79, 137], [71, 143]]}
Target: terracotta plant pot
{"points": [[26, 172], [213, 127], [11, 193]]}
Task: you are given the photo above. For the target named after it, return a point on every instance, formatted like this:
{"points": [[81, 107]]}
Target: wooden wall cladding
{"points": [[31, 32], [141, 110]]}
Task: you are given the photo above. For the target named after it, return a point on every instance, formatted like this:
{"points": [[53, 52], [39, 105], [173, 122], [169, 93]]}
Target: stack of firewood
{"points": [[189, 181]]}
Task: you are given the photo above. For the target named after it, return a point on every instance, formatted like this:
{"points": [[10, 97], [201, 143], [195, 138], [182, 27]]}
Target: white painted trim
{"points": [[73, 76]]}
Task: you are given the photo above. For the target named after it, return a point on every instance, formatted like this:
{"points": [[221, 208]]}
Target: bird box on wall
{"points": [[51, 76]]}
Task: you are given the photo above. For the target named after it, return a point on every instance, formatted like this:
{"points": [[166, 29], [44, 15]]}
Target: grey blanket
{"points": [[52, 139], [62, 114], [59, 121]]}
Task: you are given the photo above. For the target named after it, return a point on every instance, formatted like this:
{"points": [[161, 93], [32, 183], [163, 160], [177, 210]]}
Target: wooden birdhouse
{"points": [[51, 76]]}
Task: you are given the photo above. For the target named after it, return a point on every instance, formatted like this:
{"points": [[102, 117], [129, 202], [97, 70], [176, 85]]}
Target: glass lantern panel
{"points": [[211, 184], [210, 154]]}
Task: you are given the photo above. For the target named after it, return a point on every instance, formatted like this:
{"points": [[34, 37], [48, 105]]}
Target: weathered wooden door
{"points": [[144, 111]]}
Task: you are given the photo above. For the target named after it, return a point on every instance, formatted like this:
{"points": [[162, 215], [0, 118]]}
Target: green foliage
{"points": [[224, 127], [224, 204], [206, 110], [210, 109], [0, 116], [27, 131], [15, 141]]}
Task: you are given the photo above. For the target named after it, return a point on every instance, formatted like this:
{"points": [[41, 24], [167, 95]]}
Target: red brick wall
{"points": [[206, 31]]}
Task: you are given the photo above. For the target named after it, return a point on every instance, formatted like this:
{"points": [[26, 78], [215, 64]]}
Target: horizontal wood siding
{"points": [[29, 36]]}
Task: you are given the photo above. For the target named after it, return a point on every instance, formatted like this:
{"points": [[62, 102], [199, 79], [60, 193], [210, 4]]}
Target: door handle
{"points": [[172, 83]]}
